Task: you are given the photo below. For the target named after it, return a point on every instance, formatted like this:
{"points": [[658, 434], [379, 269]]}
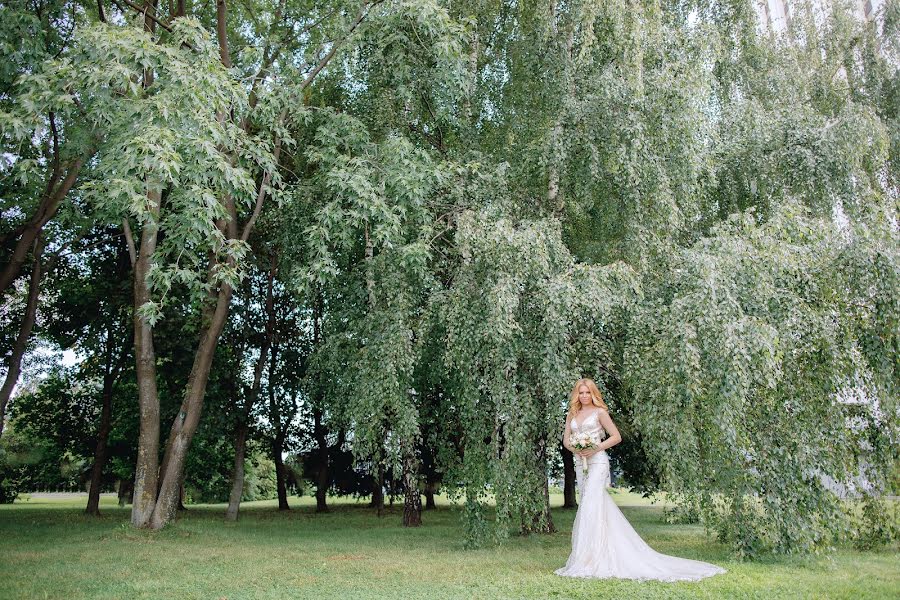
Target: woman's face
{"points": [[584, 395]]}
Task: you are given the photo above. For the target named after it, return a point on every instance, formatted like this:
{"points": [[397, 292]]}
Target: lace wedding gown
{"points": [[604, 544]]}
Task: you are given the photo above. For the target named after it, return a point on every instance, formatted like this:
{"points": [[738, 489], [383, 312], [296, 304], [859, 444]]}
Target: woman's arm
{"points": [[613, 436]]}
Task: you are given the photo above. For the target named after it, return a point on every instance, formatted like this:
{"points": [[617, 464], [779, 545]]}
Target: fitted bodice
{"points": [[590, 424]]}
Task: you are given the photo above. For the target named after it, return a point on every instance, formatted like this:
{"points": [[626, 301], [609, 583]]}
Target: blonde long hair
{"points": [[596, 396]]}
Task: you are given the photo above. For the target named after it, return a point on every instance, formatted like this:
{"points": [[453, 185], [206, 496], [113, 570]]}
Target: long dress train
{"points": [[604, 544]]}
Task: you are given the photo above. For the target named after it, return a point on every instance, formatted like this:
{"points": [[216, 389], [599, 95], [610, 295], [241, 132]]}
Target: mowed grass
{"points": [[49, 549]]}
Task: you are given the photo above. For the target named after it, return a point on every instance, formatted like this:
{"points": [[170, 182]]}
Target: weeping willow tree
{"points": [[758, 389], [635, 131], [511, 313], [764, 366], [374, 230], [601, 159]]}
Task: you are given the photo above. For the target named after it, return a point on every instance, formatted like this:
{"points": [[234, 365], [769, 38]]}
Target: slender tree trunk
{"points": [[146, 473], [185, 424], [147, 467], [378, 489], [412, 499], [322, 479], [568, 477], [181, 494], [429, 495], [243, 427], [281, 429], [280, 472], [555, 200], [110, 376], [126, 491], [237, 477], [93, 504], [14, 367], [542, 520], [322, 484], [322, 476]]}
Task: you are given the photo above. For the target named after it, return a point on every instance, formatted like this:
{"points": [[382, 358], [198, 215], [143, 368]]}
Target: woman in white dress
{"points": [[604, 544]]}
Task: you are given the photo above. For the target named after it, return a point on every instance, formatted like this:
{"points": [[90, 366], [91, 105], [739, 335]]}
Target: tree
{"points": [[90, 313]]}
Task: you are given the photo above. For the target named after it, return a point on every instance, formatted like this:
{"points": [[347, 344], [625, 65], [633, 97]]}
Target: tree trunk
{"points": [[412, 499], [542, 520], [319, 431], [93, 504], [14, 368], [322, 471], [280, 474], [185, 424], [555, 199], [568, 478], [378, 490], [126, 492], [237, 478], [429, 495], [181, 494], [147, 467], [322, 486], [243, 427]]}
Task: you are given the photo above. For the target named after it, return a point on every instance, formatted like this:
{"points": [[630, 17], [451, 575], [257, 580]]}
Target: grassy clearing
{"points": [[49, 549]]}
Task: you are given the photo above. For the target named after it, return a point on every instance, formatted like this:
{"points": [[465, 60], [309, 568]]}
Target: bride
{"points": [[603, 542]]}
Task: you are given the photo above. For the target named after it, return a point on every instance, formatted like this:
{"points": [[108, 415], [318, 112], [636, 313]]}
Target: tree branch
{"points": [[363, 12], [144, 11], [129, 239]]}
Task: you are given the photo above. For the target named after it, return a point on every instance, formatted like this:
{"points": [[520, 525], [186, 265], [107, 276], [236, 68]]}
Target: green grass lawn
{"points": [[49, 549]]}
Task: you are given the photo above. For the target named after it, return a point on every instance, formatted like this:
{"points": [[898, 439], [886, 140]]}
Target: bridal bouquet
{"points": [[584, 441]]}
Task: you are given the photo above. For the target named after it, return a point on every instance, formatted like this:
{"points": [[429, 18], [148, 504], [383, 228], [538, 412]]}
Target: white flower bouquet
{"points": [[584, 441]]}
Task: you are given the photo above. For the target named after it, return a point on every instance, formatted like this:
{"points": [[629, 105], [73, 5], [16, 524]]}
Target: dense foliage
{"points": [[385, 237]]}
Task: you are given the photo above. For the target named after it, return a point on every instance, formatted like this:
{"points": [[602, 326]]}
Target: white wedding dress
{"points": [[604, 544]]}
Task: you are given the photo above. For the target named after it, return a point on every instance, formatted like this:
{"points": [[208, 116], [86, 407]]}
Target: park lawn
{"points": [[49, 549]]}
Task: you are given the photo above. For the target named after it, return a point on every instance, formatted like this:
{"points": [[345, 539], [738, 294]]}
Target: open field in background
{"points": [[49, 549]]}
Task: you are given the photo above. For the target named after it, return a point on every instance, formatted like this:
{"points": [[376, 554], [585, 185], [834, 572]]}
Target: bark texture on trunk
{"points": [[14, 366], [429, 495], [146, 472], [93, 504], [412, 499], [185, 424], [237, 477], [147, 467]]}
